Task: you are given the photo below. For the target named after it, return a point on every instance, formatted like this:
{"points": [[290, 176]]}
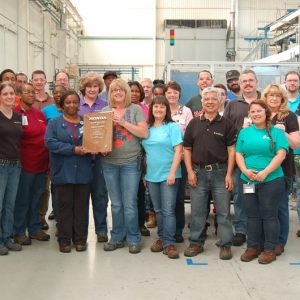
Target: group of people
{"points": [[225, 143]]}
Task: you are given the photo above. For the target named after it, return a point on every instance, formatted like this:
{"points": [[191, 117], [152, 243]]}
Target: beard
{"points": [[236, 88]]}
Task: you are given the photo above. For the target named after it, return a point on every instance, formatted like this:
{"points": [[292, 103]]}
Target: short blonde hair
{"points": [[283, 108], [123, 85], [90, 78]]}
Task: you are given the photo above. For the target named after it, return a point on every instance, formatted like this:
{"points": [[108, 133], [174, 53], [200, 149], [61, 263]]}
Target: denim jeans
{"points": [[179, 209], [164, 202], [262, 213], [9, 180], [122, 183], [214, 182], [141, 203], [99, 197], [297, 181], [240, 218], [31, 187]]}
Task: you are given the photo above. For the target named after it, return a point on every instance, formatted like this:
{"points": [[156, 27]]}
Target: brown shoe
{"points": [[80, 247], [44, 224], [22, 239], [267, 257], [225, 253], [40, 236], [102, 237], [250, 254], [65, 248], [279, 249], [151, 220], [193, 250], [157, 246], [171, 251]]}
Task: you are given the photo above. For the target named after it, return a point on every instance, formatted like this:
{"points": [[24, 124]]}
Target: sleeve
{"points": [[176, 134], [188, 137], [139, 114], [227, 111], [240, 142], [52, 142], [281, 141], [292, 124], [189, 115], [231, 135]]}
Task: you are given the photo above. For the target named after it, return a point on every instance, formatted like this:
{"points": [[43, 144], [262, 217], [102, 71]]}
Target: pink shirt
{"points": [[182, 117]]}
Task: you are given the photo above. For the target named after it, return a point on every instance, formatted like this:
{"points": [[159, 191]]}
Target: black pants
{"points": [[72, 205]]}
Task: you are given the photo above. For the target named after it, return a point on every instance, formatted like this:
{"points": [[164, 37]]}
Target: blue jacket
{"points": [[66, 166]]}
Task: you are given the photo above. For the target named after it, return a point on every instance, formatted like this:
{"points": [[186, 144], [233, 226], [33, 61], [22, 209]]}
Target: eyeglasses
{"points": [[28, 93], [117, 90], [258, 111], [248, 81]]}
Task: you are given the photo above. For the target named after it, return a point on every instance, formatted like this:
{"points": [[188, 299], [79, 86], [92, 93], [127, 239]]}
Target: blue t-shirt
{"points": [[255, 146], [159, 147], [51, 112]]}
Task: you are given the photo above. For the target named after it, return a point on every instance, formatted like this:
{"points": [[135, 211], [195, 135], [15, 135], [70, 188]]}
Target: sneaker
{"points": [[22, 239], [134, 248], [65, 248], [157, 246], [144, 231], [179, 238], [239, 239], [225, 252], [193, 250], [171, 251], [279, 249], [44, 224], [51, 215], [13, 246], [40, 236], [80, 247], [102, 237], [3, 250], [267, 257], [250, 254], [111, 246]]}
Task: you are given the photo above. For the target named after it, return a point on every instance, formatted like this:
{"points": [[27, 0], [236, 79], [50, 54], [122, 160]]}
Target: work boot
{"points": [[239, 239], [267, 257], [171, 251], [225, 252], [157, 246], [193, 250], [250, 254], [151, 220], [279, 249]]}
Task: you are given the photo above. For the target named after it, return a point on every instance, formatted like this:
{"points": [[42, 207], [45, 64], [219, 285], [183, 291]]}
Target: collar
{"points": [[218, 118]]}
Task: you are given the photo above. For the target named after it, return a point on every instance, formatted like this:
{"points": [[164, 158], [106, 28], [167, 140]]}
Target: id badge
{"points": [[24, 120], [248, 188]]}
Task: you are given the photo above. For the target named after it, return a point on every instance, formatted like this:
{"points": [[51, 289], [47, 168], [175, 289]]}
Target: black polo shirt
{"points": [[209, 140]]}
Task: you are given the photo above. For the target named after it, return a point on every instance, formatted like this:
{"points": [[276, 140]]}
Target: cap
{"points": [[232, 74], [110, 73]]}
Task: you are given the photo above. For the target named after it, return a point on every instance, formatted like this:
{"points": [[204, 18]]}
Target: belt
{"points": [[212, 167], [9, 162]]}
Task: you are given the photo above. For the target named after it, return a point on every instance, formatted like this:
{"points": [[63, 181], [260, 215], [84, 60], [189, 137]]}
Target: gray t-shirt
{"points": [[126, 146]]}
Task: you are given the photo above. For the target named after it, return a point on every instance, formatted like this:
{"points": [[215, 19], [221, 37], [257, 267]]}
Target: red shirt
{"points": [[34, 155]]}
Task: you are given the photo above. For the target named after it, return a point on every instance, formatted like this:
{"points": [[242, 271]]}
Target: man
{"points": [[10, 76], [205, 79], [41, 100], [147, 85], [292, 85], [234, 89], [237, 112], [209, 156], [62, 78], [21, 79], [108, 77]]}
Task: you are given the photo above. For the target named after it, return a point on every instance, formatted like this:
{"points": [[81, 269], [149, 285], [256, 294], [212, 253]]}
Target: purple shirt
{"points": [[96, 107]]}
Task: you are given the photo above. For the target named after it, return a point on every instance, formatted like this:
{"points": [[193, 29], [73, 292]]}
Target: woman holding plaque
{"points": [[122, 166], [71, 173]]}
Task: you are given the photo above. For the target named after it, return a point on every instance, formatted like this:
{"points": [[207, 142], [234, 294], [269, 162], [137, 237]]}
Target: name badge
{"points": [[24, 120], [248, 188]]}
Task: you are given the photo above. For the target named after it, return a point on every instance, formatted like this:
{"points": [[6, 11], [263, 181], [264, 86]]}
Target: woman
{"points": [[260, 150], [223, 91], [10, 167], [182, 115], [71, 173], [137, 96], [122, 166], [276, 99], [91, 85], [163, 151], [35, 164]]}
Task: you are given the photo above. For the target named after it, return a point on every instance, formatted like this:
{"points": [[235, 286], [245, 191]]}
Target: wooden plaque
{"points": [[98, 132]]}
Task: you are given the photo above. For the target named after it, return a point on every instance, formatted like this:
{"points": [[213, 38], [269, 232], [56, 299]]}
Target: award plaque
{"points": [[98, 132]]}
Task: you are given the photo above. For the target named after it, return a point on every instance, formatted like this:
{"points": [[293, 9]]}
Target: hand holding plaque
{"points": [[98, 132]]}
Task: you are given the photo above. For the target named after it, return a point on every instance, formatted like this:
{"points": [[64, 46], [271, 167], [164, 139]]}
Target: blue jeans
{"points": [[122, 182], [99, 197], [262, 213], [214, 182], [164, 201], [31, 187], [9, 180], [240, 218]]}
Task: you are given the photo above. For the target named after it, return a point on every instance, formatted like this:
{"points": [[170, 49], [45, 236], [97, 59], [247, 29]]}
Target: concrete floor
{"points": [[41, 272]]}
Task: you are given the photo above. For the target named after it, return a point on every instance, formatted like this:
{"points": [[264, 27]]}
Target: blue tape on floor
{"points": [[295, 264], [190, 262]]}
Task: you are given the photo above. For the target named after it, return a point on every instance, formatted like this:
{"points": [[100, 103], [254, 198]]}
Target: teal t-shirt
{"points": [[255, 146], [293, 105], [159, 147]]}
